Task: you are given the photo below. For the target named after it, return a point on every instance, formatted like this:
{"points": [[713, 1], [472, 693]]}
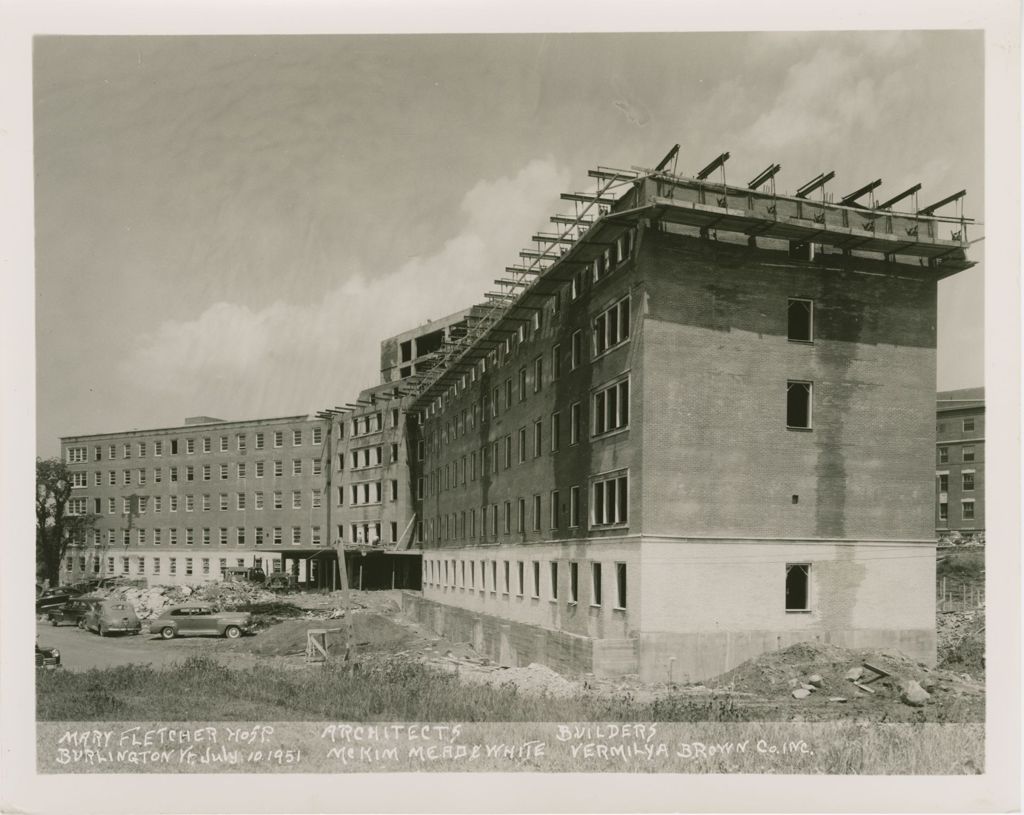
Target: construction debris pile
{"points": [[152, 601], [826, 674], [961, 642]]}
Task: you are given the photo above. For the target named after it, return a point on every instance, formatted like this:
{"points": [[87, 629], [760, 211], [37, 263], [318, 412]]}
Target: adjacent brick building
{"points": [[180, 504], [960, 461]]}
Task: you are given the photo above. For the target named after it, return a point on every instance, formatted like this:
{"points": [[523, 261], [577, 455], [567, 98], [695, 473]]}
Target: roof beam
{"points": [[860, 193], [897, 198], [815, 183], [586, 198], [765, 175], [714, 165], [949, 199], [661, 165]]}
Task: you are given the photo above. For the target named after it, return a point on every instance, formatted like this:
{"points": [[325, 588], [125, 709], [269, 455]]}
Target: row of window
{"points": [[968, 426], [510, 578], [966, 510], [141, 568], [189, 472], [609, 330], [609, 507], [140, 504], [373, 422], [143, 536], [966, 454], [79, 454], [966, 481]]}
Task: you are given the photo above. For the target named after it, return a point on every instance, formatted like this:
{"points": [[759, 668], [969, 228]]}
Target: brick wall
{"points": [[719, 458]]}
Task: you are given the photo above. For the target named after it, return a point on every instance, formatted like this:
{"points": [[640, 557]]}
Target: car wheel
{"points": [[81, 624], [232, 632], [167, 633], [53, 622]]}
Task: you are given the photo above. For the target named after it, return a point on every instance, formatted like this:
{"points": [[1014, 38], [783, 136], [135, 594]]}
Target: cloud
{"points": [[237, 362]]}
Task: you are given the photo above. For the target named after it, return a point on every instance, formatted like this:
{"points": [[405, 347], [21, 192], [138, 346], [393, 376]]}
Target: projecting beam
{"points": [[668, 157], [853, 196], [765, 175], [586, 198], [949, 199], [540, 236], [815, 183], [509, 283], [714, 165], [611, 174], [568, 219], [896, 199], [532, 253], [525, 269]]}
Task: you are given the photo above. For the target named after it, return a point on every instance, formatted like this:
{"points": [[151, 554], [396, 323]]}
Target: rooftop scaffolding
{"points": [[623, 198]]}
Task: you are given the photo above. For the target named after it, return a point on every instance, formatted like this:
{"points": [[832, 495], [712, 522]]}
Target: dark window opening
{"points": [[797, 585], [801, 319], [620, 585], [798, 405]]}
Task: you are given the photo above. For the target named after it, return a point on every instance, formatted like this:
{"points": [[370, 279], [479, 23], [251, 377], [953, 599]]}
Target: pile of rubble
{"points": [[827, 673], [152, 601]]}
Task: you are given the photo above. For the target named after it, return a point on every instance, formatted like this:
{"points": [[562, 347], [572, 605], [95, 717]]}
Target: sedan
{"points": [[51, 598], [72, 611], [200, 619]]}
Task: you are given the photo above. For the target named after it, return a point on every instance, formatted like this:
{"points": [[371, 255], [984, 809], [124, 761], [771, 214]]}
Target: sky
{"points": [[228, 226]]}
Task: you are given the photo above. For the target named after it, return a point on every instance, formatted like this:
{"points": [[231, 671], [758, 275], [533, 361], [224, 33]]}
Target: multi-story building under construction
{"points": [[698, 425]]}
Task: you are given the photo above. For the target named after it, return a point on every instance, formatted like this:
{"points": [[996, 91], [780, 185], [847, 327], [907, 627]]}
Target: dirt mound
{"points": [[371, 632], [822, 672], [961, 642]]}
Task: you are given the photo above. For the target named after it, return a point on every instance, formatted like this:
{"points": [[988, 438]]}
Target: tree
{"points": [[56, 527]]}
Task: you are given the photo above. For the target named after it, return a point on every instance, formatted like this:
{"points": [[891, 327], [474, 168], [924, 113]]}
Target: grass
{"points": [[378, 690]]}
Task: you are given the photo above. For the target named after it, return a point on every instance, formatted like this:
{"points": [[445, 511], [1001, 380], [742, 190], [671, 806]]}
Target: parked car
{"points": [[72, 611], [198, 618], [281, 582], [57, 596], [107, 616], [47, 657]]}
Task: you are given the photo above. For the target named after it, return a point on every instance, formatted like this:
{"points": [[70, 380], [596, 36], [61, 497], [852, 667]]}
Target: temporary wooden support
{"points": [[542, 238], [586, 198], [524, 270]]}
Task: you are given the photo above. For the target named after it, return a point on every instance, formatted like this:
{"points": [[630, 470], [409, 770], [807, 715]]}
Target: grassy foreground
{"points": [[384, 690]]}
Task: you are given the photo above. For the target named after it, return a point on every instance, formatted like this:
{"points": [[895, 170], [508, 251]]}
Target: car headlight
{"points": [[56, 653]]}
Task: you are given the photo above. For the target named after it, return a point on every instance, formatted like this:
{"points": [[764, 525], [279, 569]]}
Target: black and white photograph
{"points": [[424, 411]]}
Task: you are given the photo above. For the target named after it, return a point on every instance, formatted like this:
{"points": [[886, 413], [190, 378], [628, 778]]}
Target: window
{"points": [[508, 394], [158, 448], [240, 500], [278, 438], [553, 578], [297, 466], [536, 513], [798, 405], [538, 372], [943, 482], [207, 444], [113, 477], [223, 444], [279, 468], [206, 502], [173, 566], [554, 509], [574, 423], [259, 468], [296, 438], [172, 537], [190, 446], [78, 506], [258, 500], [223, 471], [522, 384], [574, 507], [968, 452], [595, 584], [521, 515], [555, 422], [126, 476], [190, 537], [574, 582], [969, 425], [206, 472], [943, 511], [520, 586], [206, 536], [126, 452], [556, 361], [943, 455], [611, 408], [318, 435], [968, 480], [173, 501], [610, 501], [278, 500], [522, 445], [296, 499], [278, 533], [190, 473], [189, 503], [259, 441], [223, 536], [620, 585], [798, 586], [507, 581], [577, 350], [508, 451], [967, 509], [317, 499], [508, 517], [240, 536], [223, 501], [206, 565], [78, 455], [611, 327], [538, 440], [800, 319], [79, 480]]}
